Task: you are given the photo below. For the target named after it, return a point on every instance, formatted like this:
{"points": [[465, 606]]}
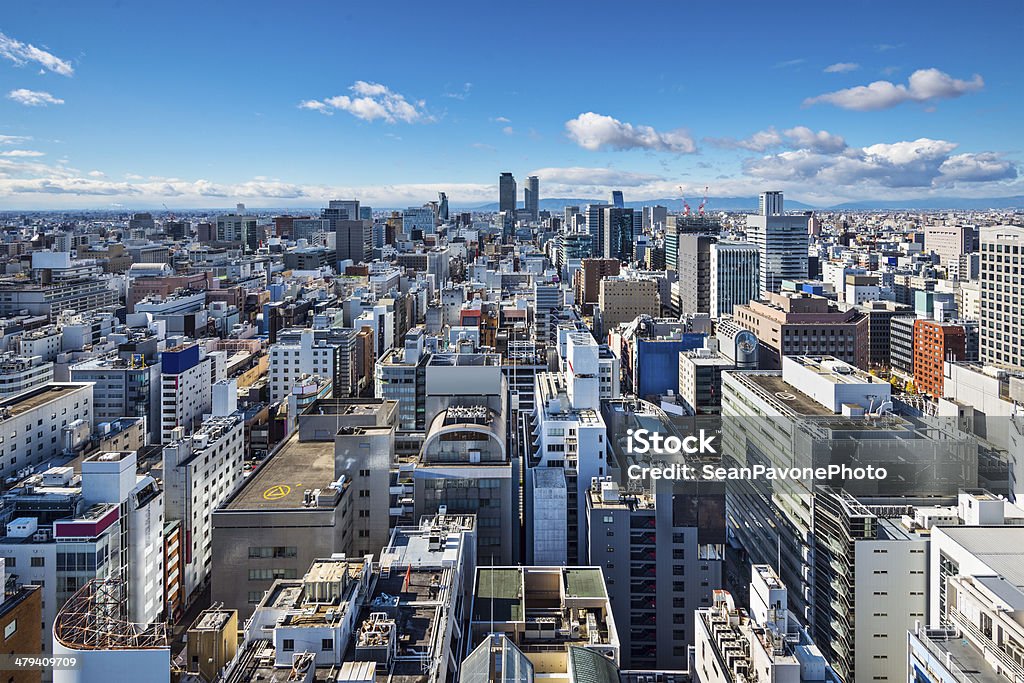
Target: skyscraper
{"points": [[354, 237], [1002, 317], [531, 196], [617, 199], [781, 242], [769, 203], [734, 276], [595, 225], [442, 206], [507, 193], [619, 235]]}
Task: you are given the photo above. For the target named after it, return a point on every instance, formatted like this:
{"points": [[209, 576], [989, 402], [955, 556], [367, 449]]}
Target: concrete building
{"points": [[674, 561], [200, 472], [935, 344], [801, 324], [123, 387], [507, 192], [812, 407], [187, 375], [1002, 319], [734, 645], [622, 299], [545, 612], [700, 378], [782, 243], [400, 375], [41, 424], [21, 608], [274, 527], [587, 280]]}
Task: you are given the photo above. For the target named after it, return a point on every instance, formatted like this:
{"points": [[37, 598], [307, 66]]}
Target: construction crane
{"points": [[704, 202], [170, 214], [686, 207]]}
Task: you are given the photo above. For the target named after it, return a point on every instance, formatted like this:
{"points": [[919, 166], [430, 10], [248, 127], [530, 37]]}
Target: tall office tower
{"points": [[654, 217], [418, 218], [507, 193], [619, 236], [950, 242], [734, 276], [617, 199], [442, 206], [781, 240], [653, 590], [691, 293], [531, 196], [570, 211], [685, 225], [770, 204], [353, 236], [548, 301], [1002, 317], [595, 225], [240, 229]]}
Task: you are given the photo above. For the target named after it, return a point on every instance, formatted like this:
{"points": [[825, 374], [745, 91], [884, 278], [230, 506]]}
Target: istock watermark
{"points": [[680, 472]]}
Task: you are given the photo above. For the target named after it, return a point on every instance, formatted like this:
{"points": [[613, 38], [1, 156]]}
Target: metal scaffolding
{"points": [[95, 618]]}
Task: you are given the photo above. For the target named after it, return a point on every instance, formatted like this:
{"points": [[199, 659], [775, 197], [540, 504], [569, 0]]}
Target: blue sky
{"points": [[206, 104]]}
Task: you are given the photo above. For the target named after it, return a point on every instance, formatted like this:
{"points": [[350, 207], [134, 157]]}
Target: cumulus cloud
{"points": [[924, 85], [796, 138], [841, 67], [372, 102], [921, 163], [33, 98], [23, 53], [596, 131]]}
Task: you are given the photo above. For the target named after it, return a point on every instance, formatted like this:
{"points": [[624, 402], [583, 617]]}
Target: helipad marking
{"points": [[277, 492]]}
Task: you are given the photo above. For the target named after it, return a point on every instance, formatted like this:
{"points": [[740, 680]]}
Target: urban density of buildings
{"points": [[598, 443]]}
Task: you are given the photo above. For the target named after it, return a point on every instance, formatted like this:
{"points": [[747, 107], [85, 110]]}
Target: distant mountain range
{"points": [[750, 204]]}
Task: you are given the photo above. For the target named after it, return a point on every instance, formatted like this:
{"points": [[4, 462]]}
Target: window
{"points": [[10, 628], [38, 562], [326, 645], [288, 645]]}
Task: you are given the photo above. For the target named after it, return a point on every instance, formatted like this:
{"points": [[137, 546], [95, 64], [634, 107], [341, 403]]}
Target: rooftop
{"points": [[40, 396], [281, 481]]}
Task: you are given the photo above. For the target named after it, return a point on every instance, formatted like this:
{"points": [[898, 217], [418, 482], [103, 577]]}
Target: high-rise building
{"points": [[619, 236], [507, 193], [769, 204], [238, 229], [674, 563], [595, 226], [654, 217], [1002, 313], [935, 344], [617, 199], [531, 196], [442, 206], [734, 276], [782, 242], [419, 218], [353, 236], [691, 293]]}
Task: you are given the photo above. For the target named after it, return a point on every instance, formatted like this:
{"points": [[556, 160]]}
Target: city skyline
{"points": [[392, 105]]}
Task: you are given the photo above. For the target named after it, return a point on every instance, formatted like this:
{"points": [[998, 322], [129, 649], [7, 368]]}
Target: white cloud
{"points": [[23, 53], [13, 139], [508, 130], [841, 67], [596, 131], [33, 98], [796, 138], [924, 85], [502, 119], [22, 153], [883, 167], [370, 102]]}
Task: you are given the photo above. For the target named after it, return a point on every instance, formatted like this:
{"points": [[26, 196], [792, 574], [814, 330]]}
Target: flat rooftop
{"points": [[212, 620], [281, 481], [584, 582], [776, 390], [499, 595], [29, 400]]}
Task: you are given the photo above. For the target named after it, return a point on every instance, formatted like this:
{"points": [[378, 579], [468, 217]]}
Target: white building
{"points": [[37, 425], [290, 361], [200, 472], [781, 241], [1002, 315], [21, 373], [186, 380]]}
